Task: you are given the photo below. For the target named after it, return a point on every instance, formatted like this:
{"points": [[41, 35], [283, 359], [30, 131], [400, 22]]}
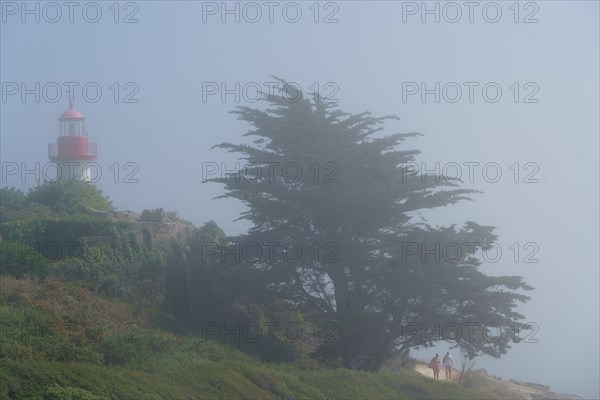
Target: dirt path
{"points": [[503, 389], [423, 369]]}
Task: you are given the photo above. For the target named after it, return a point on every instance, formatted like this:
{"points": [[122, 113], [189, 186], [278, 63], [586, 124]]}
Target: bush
{"points": [[157, 215], [69, 197], [117, 351], [19, 259], [60, 348], [31, 334], [134, 346], [56, 392]]}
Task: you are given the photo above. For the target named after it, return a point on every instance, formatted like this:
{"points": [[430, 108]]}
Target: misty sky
{"points": [[373, 58]]}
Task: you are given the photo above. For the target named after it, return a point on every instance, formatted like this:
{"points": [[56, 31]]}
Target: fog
{"points": [[490, 95]]}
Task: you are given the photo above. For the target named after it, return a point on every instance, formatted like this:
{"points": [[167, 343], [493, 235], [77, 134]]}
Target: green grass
{"points": [[46, 361], [28, 379]]}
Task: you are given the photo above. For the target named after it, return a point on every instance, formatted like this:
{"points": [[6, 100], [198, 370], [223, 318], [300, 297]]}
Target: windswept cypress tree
{"points": [[328, 185]]}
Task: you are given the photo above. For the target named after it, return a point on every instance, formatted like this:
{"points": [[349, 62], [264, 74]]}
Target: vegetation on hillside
{"points": [[60, 341], [93, 308]]}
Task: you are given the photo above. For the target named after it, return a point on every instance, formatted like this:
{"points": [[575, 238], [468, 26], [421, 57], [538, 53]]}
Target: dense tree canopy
{"points": [[331, 186]]}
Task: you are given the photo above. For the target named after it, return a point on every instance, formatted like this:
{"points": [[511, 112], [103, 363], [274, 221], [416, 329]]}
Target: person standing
{"points": [[436, 365], [448, 363]]}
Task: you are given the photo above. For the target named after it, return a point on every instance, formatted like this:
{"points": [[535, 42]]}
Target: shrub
{"points": [[56, 392], [19, 259], [69, 197]]}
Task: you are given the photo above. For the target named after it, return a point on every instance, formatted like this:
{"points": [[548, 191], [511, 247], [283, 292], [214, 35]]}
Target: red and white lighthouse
{"points": [[72, 151]]}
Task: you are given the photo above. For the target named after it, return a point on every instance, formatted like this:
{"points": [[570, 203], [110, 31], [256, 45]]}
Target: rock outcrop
{"points": [[154, 225]]}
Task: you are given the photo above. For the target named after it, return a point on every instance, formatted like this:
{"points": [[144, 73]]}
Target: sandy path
{"points": [[423, 369], [521, 390]]}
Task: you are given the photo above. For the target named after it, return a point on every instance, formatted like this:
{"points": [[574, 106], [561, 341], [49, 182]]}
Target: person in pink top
{"points": [[436, 365]]}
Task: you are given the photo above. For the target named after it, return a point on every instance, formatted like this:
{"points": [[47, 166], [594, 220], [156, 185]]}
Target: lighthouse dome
{"points": [[71, 114]]}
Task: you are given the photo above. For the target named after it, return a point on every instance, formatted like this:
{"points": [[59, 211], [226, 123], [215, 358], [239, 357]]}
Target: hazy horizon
{"points": [[170, 80]]}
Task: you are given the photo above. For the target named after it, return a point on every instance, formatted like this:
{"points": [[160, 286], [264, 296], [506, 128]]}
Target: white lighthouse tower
{"points": [[72, 152]]}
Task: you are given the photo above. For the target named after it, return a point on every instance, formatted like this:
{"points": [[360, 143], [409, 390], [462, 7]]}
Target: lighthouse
{"points": [[72, 152]]}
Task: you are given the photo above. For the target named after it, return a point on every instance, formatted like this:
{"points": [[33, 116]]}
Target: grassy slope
{"points": [[158, 364], [222, 380]]}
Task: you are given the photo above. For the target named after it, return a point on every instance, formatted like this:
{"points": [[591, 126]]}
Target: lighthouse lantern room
{"points": [[72, 152]]}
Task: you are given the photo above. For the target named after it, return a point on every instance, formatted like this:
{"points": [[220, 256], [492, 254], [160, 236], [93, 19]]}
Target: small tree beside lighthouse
{"points": [[72, 152]]}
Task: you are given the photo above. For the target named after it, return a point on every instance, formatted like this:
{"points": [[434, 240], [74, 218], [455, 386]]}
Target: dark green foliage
{"points": [[169, 322], [201, 289], [11, 197], [56, 392], [156, 215], [19, 259], [211, 232], [99, 252], [69, 196], [134, 346], [15, 208], [138, 277], [55, 231], [69, 232], [359, 212], [54, 217], [177, 300]]}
